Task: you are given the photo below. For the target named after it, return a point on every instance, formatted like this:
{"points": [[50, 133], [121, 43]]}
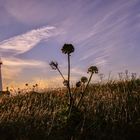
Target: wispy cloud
{"points": [[26, 41], [15, 62], [10, 73], [13, 67]]}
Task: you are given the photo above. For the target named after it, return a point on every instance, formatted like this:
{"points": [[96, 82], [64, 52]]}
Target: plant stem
{"points": [[60, 73], [70, 96], [84, 90], [88, 82]]}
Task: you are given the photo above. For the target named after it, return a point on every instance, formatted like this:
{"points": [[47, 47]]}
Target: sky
{"points": [[105, 33]]}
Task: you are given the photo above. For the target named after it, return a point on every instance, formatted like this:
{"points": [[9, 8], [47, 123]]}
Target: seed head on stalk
{"points": [[84, 79], [78, 84], [54, 66], [91, 70], [68, 49]]}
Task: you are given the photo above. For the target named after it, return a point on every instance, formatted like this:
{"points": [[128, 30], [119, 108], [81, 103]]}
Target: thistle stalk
{"points": [[68, 49], [54, 66], [69, 90], [60, 73], [85, 90]]}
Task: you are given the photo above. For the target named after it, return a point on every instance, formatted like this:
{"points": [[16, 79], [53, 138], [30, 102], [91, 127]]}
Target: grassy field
{"points": [[108, 111]]}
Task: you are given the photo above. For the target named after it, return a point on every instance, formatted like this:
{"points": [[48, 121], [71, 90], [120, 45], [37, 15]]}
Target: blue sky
{"points": [[105, 33]]}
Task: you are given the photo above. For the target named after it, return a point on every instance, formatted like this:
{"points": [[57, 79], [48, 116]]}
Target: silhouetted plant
{"points": [[65, 83], [84, 79], [68, 49], [92, 70], [78, 84], [54, 66]]}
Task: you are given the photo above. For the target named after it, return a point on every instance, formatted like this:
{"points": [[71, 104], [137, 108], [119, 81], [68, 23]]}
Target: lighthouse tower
{"points": [[0, 77]]}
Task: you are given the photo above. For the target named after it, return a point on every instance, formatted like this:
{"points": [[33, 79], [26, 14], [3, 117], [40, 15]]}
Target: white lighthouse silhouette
{"points": [[0, 77]]}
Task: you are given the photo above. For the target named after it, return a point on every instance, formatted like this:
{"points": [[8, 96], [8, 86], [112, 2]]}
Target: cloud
{"points": [[15, 62], [78, 71], [100, 61], [10, 73], [26, 11], [13, 67], [27, 41]]}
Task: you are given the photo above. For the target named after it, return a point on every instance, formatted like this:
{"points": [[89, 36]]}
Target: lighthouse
{"points": [[2, 93], [0, 77]]}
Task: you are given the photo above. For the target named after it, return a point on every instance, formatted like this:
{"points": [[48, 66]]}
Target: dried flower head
{"points": [[84, 79], [26, 84], [54, 65], [93, 69], [67, 49], [65, 82], [78, 84]]}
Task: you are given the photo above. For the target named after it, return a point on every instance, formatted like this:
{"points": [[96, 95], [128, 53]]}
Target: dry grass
{"points": [[108, 111]]}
